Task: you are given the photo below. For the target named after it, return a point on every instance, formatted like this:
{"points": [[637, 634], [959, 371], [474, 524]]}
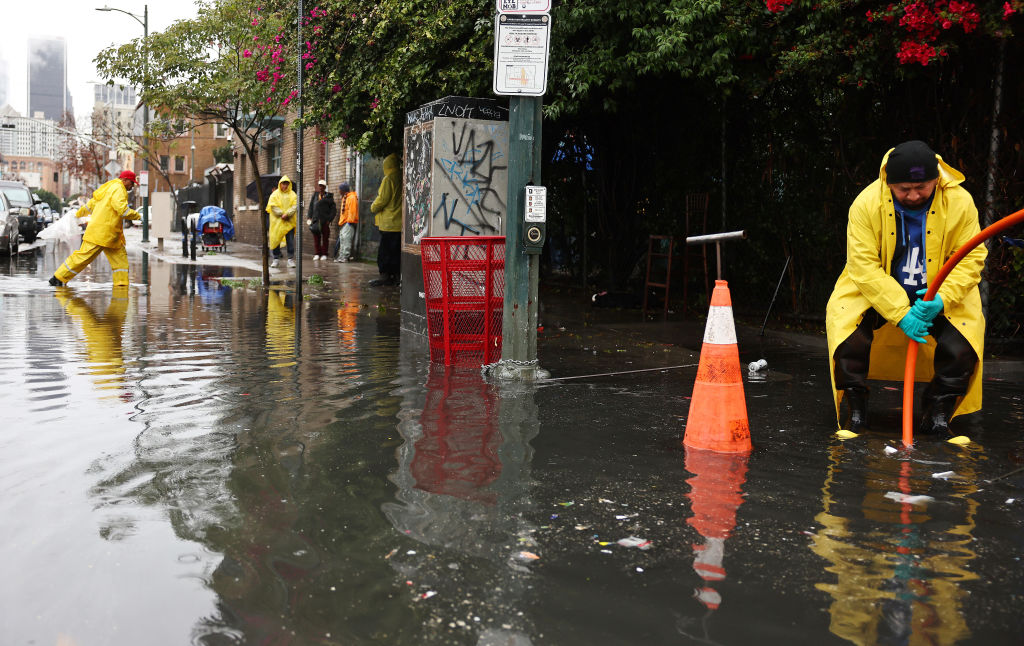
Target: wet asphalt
{"points": [[196, 460]]}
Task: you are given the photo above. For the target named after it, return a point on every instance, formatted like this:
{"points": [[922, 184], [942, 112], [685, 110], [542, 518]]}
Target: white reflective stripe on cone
{"points": [[720, 329]]}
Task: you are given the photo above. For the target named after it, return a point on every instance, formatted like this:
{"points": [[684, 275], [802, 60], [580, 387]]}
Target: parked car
{"points": [[20, 199], [8, 227], [44, 213]]}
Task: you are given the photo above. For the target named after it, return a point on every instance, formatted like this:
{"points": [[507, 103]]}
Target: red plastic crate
{"points": [[464, 286]]}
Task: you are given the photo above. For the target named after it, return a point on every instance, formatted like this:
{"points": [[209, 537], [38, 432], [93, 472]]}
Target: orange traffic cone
{"points": [[718, 411]]}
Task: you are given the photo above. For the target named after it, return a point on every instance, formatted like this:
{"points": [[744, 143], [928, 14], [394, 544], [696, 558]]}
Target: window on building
{"points": [[220, 131], [274, 153], [165, 162], [179, 163]]}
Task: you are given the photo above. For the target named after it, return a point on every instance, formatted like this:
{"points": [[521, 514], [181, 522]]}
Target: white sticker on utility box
{"points": [[536, 204]]}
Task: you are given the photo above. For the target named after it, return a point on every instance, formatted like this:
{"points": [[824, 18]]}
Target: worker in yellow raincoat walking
{"points": [[107, 211], [282, 207]]}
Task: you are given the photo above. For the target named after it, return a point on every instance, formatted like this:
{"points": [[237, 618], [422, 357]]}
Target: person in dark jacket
{"points": [[322, 211]]}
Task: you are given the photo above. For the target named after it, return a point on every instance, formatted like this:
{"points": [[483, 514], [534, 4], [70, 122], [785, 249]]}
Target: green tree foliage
{"points": [[368, 62]]}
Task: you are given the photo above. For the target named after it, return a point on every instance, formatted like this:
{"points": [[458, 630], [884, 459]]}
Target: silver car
{"points": [[8, 228]]}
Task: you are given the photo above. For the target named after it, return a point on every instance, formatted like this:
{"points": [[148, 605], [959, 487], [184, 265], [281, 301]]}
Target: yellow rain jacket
{"points": [[107, 211], [282, 207], [387, 208], [866, 281]]}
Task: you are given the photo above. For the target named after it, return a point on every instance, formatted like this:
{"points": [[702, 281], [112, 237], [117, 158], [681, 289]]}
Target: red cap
{"points": [[127, 174]]}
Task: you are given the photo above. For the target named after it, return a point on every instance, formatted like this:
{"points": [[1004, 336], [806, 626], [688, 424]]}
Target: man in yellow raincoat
{"points": [[902, 228], [387, 210], [107, 211], [282, 207]]}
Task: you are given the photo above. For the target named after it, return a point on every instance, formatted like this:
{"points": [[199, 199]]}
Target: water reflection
{"points": [[899, 561], [102, 334], [280, 329], [716, 493], [463, 479]]}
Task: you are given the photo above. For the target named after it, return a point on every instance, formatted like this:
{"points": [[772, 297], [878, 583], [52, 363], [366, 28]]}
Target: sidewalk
{"points": [[248, 257], [612, 339]]}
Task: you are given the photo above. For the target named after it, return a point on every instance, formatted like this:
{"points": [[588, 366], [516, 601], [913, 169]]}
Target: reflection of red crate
{"points": [[464, 285]]}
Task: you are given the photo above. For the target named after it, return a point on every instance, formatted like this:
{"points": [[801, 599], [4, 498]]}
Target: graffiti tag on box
{"points": [[471, 177]]}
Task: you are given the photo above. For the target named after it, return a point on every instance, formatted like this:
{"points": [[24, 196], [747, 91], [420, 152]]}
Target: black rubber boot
{"points": [[938, 411], [54, 282], [857, 401]]}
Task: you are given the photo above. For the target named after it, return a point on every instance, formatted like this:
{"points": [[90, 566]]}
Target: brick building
{"points": [[183, 159]]}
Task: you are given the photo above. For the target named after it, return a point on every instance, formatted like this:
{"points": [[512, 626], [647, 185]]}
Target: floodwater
{"points": [[187, 463]]}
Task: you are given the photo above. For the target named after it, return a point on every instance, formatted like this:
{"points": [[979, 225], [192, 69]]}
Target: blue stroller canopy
{"points": [[216, 214]]}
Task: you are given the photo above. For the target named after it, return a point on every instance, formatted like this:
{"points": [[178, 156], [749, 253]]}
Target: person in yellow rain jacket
{"points": [[107, 211], [387, 210], [902, 228], [282, 207]]}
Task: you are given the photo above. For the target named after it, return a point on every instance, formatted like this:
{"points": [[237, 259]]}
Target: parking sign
{"points": [[524, 6], [521, 43]]}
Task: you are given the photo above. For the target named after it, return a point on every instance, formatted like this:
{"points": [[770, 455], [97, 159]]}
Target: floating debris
{"points": [[944, 475], [634, 541], [527, 556], [959, 439], [891, 449], [908, 498], [844, 434]]}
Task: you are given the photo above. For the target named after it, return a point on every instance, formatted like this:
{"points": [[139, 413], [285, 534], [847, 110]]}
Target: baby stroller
{"points": [[214, 229]]}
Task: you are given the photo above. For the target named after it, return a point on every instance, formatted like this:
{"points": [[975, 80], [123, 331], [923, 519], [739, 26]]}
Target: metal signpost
{"points": [[522, 30]]}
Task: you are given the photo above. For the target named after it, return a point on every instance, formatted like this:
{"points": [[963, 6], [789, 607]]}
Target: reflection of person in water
{"points": [[102, 334], [280, 330], [895, 572]]}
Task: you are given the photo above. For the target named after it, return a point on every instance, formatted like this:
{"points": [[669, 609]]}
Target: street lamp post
{"points": [[144, 21]]}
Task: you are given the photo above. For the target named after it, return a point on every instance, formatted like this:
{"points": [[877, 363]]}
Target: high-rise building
{"points": [[48, 79], [4, 80]]}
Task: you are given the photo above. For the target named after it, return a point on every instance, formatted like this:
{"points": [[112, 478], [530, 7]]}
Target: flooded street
{"points": [[187, 462]]}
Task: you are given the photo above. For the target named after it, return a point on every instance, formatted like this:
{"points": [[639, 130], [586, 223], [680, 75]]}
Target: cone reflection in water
{"points": [[718, 411], [715, 496]]}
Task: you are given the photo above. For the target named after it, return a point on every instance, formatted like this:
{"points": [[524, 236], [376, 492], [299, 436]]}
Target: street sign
{"points": [[521, 45], [524, 6], [143, 178], [112, 168], [536, 204]]}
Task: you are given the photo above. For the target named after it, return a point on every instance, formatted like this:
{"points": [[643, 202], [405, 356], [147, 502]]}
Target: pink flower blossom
{"points": [[374, 104], [246, 54], [255, 22], [335, 89], [776, 6]]}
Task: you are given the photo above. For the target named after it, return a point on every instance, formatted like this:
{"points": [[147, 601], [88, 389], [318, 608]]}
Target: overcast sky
{"points": [[85, 31]]}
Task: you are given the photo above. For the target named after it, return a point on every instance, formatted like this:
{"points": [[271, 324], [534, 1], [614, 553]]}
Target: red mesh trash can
{"points": [[464, 286]]}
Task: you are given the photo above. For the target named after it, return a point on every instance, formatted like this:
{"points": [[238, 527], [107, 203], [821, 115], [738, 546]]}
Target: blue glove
{"points": [[927, 310], [914, 327]]}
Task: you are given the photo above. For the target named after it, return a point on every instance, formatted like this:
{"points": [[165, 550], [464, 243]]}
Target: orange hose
{"points": [[911, 367]]}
